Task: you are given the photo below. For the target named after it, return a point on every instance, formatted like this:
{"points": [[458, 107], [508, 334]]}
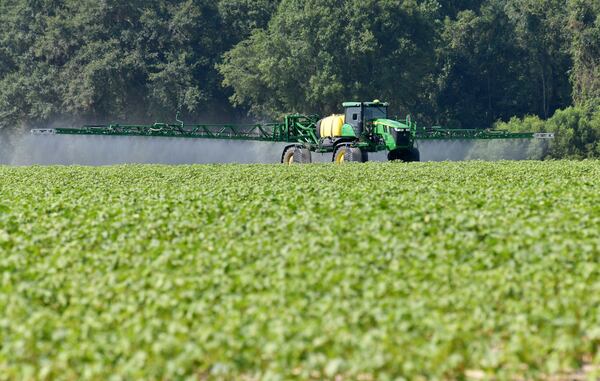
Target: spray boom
{"points": [[363, 128]]}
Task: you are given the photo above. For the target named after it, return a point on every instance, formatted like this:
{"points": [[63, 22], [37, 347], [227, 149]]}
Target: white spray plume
{"points": [[108, 150]]}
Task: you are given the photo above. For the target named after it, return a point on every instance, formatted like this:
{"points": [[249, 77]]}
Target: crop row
{"points": [[378, 271]]}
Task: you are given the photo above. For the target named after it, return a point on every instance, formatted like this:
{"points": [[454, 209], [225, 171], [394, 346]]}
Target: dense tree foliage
{"points": [[117, 60], [584, 25], [467, 63], [507, 59], [315, 54]]}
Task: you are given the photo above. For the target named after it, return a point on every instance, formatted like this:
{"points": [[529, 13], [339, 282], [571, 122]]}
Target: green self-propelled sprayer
{"points": [[363, 127]]}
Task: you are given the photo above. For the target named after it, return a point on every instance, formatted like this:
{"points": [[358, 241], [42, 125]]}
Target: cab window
{"points": [[375, 112], [353, 116]]}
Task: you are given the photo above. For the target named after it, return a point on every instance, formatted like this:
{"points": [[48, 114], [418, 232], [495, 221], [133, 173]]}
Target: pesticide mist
{"points": [[108, 150], [488, 150]]}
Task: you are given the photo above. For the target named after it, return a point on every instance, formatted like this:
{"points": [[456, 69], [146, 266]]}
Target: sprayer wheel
{"points": [[405, 155], [364, 156], [296, 155], [288, 155], [393, 155], [415, 155], [400, 155], [356, 155], [302, 155], [345, 153]]}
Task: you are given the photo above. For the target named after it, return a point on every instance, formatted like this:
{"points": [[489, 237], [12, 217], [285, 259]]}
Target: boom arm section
{"points": [[295, 128], [300, 129], [440, 133]]}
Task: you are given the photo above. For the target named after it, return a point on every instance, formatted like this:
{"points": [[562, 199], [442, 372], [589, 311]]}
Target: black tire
{"points": [[365, 156], [302, 156], [344, 153], [415, 155], [287, 157], [356, 155], [394, 155], [296, 155], [405, 155], [399, 155]]}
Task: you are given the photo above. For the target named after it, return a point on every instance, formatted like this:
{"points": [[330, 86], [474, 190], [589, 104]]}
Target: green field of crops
{"points": [[380, 271]]}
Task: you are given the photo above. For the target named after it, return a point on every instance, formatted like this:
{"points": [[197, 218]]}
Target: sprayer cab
{"points": [[370, 122], [364, 127], [357, 114]]}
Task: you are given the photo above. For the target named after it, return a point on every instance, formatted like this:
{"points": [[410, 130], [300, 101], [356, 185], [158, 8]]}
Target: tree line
{"points": [[457, 63]]}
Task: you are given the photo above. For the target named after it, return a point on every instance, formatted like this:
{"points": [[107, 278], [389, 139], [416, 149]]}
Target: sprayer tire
{"points": [[400, 155], [345, 153], [364, 156], [302, 156], [393, 155], [296, 155], [356, 155], [415, 155], [287, 157]]}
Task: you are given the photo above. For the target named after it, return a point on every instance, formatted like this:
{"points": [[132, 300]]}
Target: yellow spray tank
{"points": [[331, 126]]}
